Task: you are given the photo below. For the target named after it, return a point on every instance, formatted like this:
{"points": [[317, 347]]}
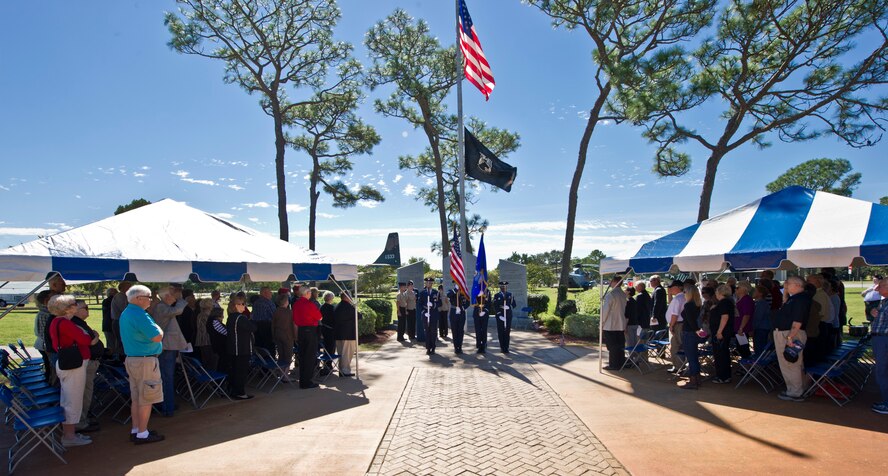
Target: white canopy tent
{"points": [[168, 241]]}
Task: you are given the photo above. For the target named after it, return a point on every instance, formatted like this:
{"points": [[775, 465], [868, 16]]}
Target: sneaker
{"points": [[721, 380], [789, 398], [133, 435], [78, 440], [880, 408], [242, 397], [152, 438]]}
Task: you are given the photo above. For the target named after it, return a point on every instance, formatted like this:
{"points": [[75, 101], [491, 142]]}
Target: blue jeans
{"points": [[167, 361], [880, 352], [689, 342]]}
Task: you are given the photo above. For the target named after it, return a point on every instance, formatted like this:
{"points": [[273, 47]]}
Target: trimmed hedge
{"points": [[383, 309], [367, 324], [566, 308], [552, 323], [538, 304], [581, 325]]}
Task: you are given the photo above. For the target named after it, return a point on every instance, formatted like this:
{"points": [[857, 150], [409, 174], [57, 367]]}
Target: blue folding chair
{"points": [[33, 428]]}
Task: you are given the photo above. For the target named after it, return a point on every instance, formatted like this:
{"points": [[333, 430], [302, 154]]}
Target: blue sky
{"points": [[96, 110]]}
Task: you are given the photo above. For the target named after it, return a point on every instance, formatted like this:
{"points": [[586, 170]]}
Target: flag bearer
{"points": [[503, 303]]}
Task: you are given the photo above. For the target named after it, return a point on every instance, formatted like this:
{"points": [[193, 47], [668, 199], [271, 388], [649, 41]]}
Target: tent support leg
{"points": [[600, 328], [11, 308]]}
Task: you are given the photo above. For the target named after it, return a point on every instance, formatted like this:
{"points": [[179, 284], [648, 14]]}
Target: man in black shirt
{"points": [[659, 305], [790, 323]]}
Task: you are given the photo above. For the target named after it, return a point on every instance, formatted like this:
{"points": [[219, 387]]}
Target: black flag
{"points": [[482, 165]]}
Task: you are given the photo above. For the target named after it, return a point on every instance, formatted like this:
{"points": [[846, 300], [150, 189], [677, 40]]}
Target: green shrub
{"points": [[538, 304], [552, 323], [566, 308], [383, 310], [589, 302], [367, 325], [581, 325]]}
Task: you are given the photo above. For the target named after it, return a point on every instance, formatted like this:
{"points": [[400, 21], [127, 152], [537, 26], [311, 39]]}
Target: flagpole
{"points": [[461, 147]]}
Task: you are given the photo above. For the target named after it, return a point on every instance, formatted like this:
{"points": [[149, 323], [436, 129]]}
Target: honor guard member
{"points": [[401, 303], [410, 316], [503, 304], [427, 304], [443, 312], [482, 314], [458, 305]]}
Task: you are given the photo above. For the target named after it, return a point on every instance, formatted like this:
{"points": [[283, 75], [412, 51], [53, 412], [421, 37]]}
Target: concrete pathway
{"points": [[495, 414]]}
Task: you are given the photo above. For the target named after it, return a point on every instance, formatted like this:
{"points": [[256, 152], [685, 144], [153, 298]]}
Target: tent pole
{"points": [[600, 327], [357, 364], [11, 308]]}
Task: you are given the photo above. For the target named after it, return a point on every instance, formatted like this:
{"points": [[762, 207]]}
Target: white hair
{"points": [[137, 290]]}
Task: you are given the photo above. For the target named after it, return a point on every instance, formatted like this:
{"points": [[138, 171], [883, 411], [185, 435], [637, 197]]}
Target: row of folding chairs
{"points": [[32, 408], [844, 373], [761, 368]]}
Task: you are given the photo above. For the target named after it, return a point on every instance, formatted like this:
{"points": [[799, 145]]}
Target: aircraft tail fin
{"points": [[391, 255]]}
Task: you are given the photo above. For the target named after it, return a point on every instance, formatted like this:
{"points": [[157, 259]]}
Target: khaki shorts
{"points": [[146, 387]]}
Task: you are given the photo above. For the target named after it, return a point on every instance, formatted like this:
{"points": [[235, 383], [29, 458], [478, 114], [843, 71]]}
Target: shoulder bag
{"points": [[69, 357]]}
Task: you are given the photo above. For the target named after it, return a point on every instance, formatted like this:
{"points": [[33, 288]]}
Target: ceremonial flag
{"points": [[481, 164], [457, 270], [476, 68], [479, 283]]}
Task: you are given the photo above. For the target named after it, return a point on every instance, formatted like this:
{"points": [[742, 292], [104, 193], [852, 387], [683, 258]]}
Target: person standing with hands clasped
{"points": [[306, 316], [141, 338], [503, 304], [458, 305], [428, 307], [721, 324], [613, 324], [790, 325]]}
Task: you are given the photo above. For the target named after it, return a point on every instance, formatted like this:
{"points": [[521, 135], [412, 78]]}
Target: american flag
{"points": [[474, 63], [457, 270]]}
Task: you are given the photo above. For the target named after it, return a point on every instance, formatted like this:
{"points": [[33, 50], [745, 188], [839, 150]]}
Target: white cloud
{"points": [[25, 231], [295, 208], [430, 181], [409, 190], [258, 205], [235, 187], [368, 203], [198, 181], [404, 134], [76, 196], [138, 174], [145, 167], [253, 219], [327, 215], [226, 216], [181, 173], [3, 188], [61, 226], [381, 183], [397, 178]]}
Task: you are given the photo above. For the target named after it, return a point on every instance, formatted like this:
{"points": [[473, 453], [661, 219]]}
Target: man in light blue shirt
{"points": [[141, 338]]}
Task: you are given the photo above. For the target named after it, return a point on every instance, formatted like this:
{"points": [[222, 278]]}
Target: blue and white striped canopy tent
{"points": [[167, 241], [795, 227]]}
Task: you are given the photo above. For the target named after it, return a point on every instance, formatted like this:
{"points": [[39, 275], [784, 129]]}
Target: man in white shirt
{"points": [[673, 317], [613, 324]]}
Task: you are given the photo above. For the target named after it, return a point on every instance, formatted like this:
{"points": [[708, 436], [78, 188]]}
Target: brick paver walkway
{"points": [[498, 419]]}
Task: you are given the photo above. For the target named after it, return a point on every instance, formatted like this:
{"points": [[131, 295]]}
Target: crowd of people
{"points": [[429, 314], [145, 330], [804, 315]]}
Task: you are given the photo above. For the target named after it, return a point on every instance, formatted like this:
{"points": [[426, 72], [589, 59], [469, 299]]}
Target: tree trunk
{"points": [[432, 135], [280, 144], [709, 184], [313, 195], [575, 184]]}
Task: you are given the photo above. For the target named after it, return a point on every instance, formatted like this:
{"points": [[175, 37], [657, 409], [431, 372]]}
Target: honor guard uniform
{"points": [[443, 312], [482, 314], [401, 303], [503, 304], [410, 315], [427, 305], [458, 305]]}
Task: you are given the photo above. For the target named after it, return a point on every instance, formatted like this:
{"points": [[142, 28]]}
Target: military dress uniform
{"points": [[410, 315], [443, 312], [458, 305], [401, 303], [427, 305], [481, 315], [503, 304]]}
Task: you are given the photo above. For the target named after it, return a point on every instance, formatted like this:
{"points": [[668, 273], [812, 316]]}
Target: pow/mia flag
{"points": [[482, 165]]}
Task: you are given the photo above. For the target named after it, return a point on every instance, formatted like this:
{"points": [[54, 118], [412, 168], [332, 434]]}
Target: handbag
{"points": [[69, 357]]}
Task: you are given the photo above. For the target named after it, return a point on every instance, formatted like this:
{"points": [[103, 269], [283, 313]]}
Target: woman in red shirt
{"points": [[65, 333]]}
